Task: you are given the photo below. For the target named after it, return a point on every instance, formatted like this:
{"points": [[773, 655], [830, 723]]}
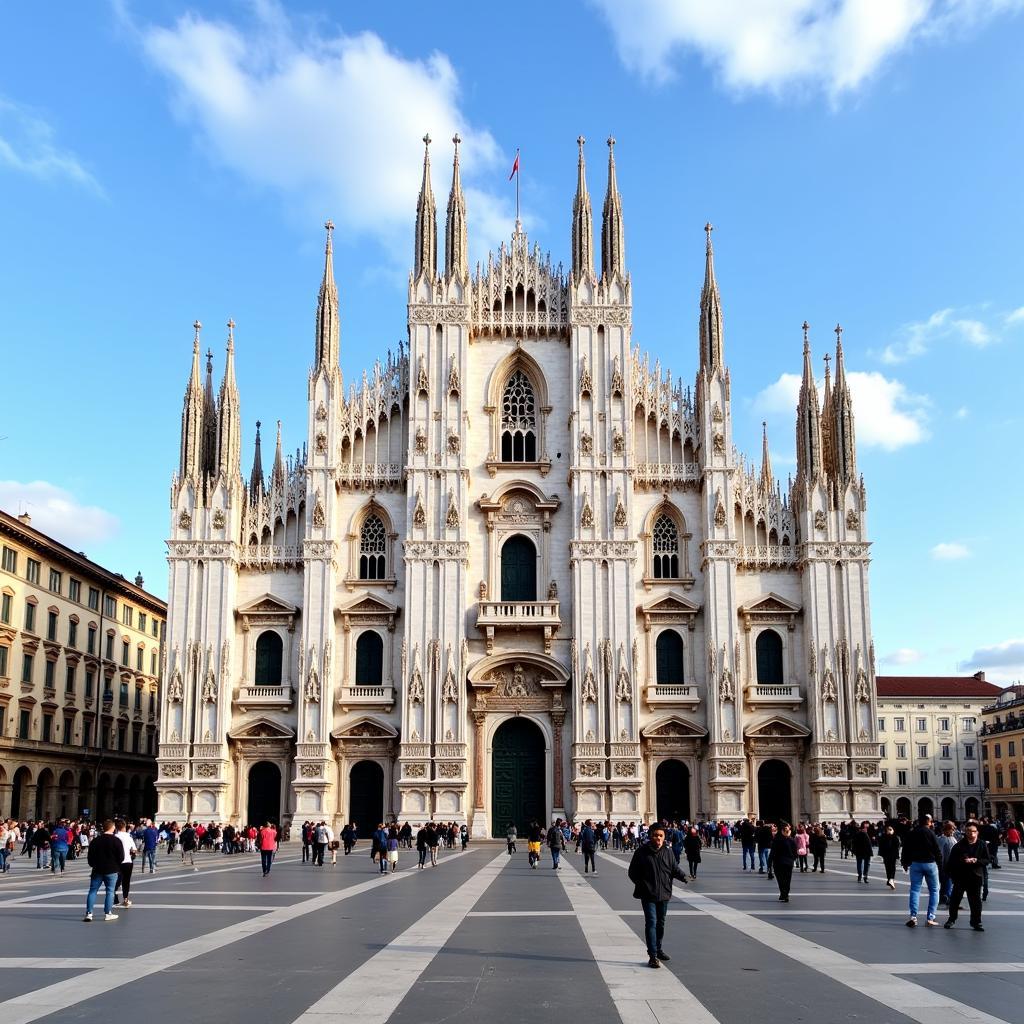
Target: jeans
{"points": [[556, 853], [423, 855], [4, 852], [42, 857], [654, 924], [749, 850], [819, 862], [972, 887], [762, 856], [318, 854], [149, 857], [588, 860], [94, 887], [863, 863], [266, 859], [1013, 851], [928, 873], [58, 858], [726, 842]]}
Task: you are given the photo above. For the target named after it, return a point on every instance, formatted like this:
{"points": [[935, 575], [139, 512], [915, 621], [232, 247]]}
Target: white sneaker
{"points": [[110, 917], [88, 917], [891, 884], [127, 903]]}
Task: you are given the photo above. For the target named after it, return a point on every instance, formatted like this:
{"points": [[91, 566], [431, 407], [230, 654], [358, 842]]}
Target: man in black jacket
{"points": [[967, 861], [921, 857], [651, 871], [105, 855]]}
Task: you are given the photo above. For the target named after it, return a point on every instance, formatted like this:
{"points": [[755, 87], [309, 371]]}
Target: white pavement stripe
{"points": [[521, 913], [119, 908], [59, 997], [59, 963], [948, 968], [906, 997], [641, 996], [375, 989]]}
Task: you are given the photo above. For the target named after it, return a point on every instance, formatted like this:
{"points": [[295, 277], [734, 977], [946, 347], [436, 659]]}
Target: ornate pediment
{"points": [[368, 610], [267, 604], [777, 727], [770, 608], [366, 729], [672, 728], [670, 608], [262, 729]]}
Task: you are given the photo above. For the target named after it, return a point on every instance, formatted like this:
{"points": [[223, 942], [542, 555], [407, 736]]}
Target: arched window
{"points": [[369, 659], [373, 541], [669, 652], [769, 657], [268, 659], [518, 420], [665, 544], [518, 569]]}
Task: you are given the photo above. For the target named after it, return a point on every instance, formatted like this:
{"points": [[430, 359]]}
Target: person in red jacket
{"points": [[267, 843], [1013, 843]]}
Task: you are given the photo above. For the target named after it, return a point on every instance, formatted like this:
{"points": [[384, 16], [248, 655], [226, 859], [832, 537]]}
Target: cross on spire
{"points": [[456, 138], [209, 360], [805, 326], [426, 139], [828, 360], [839, 333], [580, 140], [708, 228]]}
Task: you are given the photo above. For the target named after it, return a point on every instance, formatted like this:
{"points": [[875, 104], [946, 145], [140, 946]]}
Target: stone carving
{"points": [[319, 517], [865, 769], [185, 520], [588, 691], [618, 442], [589, 769], [725, 689], [730, 769], [415, 771], [448, 770], [586, 443], [451, 520], [718, 443], [586, 384], [419, 515], [833, 770], [175, 689], [481, 590], [312, 685], [623, 684], [587, 515], [716, 413], [219, 519], [416, 680], [831, 736], [454, 384], [860, 691], [311, 771], [172, 771], [321, 412], [422, 380], [450, 689], [553, 590], [321, 443], [589, 736], [620, 509], [617, 384], [624, 769], [210, 687], [820, 522], [852, 520], [719, 510], [206, 771], [453, 442], [421, 440]]}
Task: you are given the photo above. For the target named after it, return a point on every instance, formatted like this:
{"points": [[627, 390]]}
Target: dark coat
{"points": [[861, 845], [105, 854], [651, 872], [889, 847], [692, 845], [783, 851], [818, 844], [921, 847], [588, 839], [961, 872]]}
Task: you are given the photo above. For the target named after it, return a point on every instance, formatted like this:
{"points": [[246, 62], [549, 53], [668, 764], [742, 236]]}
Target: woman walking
{"points": [[691, 846], [802, 840], [393, 849], [860, 844], [818, 845], [783, 858], [889, 851]]}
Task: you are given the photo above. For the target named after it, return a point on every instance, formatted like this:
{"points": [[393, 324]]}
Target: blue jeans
{"points": [[654, 924], [110, 881], [863, 863], [929, 874], [556, 853], [58, 858], [725, 842], [148, 857], [4, 852], [753, 858], [762, 856]]}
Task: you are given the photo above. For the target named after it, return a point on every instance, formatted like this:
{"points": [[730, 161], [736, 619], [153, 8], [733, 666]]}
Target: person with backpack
{"points": [[556, 843], [189, 843]]}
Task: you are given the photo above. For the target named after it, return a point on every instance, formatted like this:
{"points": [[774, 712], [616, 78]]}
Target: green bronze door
{"points": [[517, 777], [518, 569]]}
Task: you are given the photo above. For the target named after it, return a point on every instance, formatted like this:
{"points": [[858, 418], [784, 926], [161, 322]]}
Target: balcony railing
{"points": [[369, 474], [775, 693], [366, 696], [492, 615], [765, 556], [261, 696], [666, 475], [677, 694]]}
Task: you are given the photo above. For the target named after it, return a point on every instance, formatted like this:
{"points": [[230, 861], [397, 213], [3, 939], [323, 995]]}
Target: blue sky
{"points": [[861, 163]]}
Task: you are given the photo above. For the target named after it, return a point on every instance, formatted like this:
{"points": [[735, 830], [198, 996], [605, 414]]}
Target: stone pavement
{"points": [[484, 938]]}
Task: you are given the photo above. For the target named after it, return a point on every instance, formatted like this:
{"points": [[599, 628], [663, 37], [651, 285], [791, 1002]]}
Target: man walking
{"points": [[60, 839], [267, 842], [763, 837], [588, 844], [747, 843], [150, 838], [556, 843], [651, 871], [967, 861], [105, 854], [921, 856]]}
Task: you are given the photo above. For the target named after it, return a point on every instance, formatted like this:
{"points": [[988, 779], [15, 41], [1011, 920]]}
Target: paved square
{"points": [[484, 938]]}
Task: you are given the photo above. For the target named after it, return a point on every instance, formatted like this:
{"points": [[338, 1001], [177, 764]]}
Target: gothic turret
{"points": [[808, 422], [229, 429], [327, 330], [277, 474], [827, 458], [191, 466], [256, 476], [767, 476], [582, 223], [456, 257], [712, 353], [425, 256], [209, 421], [613, 242], [840, 415]]}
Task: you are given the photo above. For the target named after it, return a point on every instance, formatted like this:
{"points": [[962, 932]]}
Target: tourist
{"points": [[150, 838], [124, 881], [889, 851], [105, 856], [380, 848], [556, 843], [510, 838], [860, 846], [763, 838], [533, 843], [920, 857], [60, 840], [189, 842], [651, 870], [267, 843], [818, 845], [691, 846], [989, 832], [588, 844], [9, 836], [1013, 843], [967, 860], [802, 840], [783, 858], [747, 843], [433, 839], [319, 843], [392, 849], [947, 840]]}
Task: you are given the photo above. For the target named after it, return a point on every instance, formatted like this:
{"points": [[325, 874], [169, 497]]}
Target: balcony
{"points": [[264, 698], [774, 695], [666, 476], [366, 697], [672, 694], [518, 615]]}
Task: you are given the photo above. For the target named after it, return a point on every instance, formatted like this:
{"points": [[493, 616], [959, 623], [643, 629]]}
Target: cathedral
{"points": [[517, 571]]}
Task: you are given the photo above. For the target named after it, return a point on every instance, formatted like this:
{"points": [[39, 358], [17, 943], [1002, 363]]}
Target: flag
{"points": [[515, 167]]}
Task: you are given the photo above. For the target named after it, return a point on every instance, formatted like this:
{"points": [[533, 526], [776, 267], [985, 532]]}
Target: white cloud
{"points": [[334, 120], [950, 551], [1007, 655], [27, 145], [886, 415], [1014, 317], [902, 656], [917, 338], [962, 413], [833, 45], [58, 513]]}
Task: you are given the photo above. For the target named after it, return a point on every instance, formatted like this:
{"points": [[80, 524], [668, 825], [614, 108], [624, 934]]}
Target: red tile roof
{"points": [[935, 686]]}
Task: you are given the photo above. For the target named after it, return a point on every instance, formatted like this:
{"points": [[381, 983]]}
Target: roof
{"points": [[936, 686]]}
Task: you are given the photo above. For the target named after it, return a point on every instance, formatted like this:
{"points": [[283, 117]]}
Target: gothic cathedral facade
{"points": [[517, 572]]}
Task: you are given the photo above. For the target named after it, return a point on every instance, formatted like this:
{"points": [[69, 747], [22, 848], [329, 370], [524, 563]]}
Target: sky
{"points": [[860, 161]]}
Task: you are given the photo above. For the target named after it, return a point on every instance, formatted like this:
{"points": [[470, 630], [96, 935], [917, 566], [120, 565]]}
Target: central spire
{"points": [[425, 256], [209, 421], [229, 430], [613, 243], [712, 346], [582, 223], [456, 259], [256, 476], [327, 326], [191, 464], [808, 421], [844, 447], [767, 476]]}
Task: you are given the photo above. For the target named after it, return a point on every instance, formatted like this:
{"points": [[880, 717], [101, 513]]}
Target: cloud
{"points": [[950, 551], [768, 45], [58, 513], [334, 120], [962, 413], [1014, 317], [915, 339], [902, 656], [886, 414], [1008, 655], [27, 145]]}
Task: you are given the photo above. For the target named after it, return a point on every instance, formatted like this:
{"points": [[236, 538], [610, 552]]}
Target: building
{"points": [[516, 570], [80, 668], [930, 744], [1002, 745]]}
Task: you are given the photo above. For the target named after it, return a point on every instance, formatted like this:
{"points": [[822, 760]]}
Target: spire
{"points": [[808, 421], [277, 474], [613, 243], [209, 421], [327, 310], [844, 445], [827, 449], [456, 258], [582, 222], [712, 350], [229, 424], [767, 476], [425, 256], [256, 476], [191, 465]]}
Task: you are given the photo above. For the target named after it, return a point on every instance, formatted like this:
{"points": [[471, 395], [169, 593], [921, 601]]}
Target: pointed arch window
{"points": [[518, 420], [373, 542], [665, 548]]}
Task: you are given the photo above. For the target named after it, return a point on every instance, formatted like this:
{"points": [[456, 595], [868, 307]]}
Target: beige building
{"points": [[80, 665], [1002, 743], [929, 732]]}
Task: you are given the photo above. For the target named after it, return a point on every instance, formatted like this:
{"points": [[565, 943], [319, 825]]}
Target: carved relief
{"points": [[206, 771], [620, 509], [311, 771], [450, 689], [852, 520], [618, 442], [454, 384], [415, 771], [587, 515], [321, 412], [185, 520], [865, 770], [589, 769], [321, 443], [219, 519], [451, 520], [421, 440], [833, 770], [319, 517], [624, 769], [820, 522], [588, 691], [453, 442], [586, 384], [172, 771], [617, 384], [730, 769], [448, 770], [416, 680], [719, 510], [623, 685], [716, 413], [419, 515], [422, 380], [718, 443], [175, 689], [209, 695]]}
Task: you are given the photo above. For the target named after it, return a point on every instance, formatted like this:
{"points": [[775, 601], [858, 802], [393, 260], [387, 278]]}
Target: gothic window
{"points": [[769, 657], [369, 659], [669, 651], [518, 420], [372, 547], [665, 541], [518, 569], [268, 659]]}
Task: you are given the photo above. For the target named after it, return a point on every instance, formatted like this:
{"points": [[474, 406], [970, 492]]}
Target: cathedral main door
{"points": [[264, 794], [517, 776]]}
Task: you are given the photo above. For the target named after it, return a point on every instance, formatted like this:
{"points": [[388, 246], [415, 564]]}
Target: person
{"points": [[947, 840], [267, 843], [860, 845], [421, 844], [783, 857], [380, 842], [556, 843], [691, 846], [1013, 843], [348, 837], [920, 858], [433, 838], [818, 845], [511, 835], [124, 882], [60, 840], [747, 835], [9, 837], [889, 851], [533, 844], [651, 870], [967, 860], [725, 835], [189, 842], [588, 844], [307, 840], [105, 855], [392, 849], [802, 840], [464, 837], [150, 838], [332, 844], [989, 832]]}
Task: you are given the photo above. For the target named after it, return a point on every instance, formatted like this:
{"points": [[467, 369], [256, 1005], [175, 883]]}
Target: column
{"points": [[557, 717], [478, 763]]}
